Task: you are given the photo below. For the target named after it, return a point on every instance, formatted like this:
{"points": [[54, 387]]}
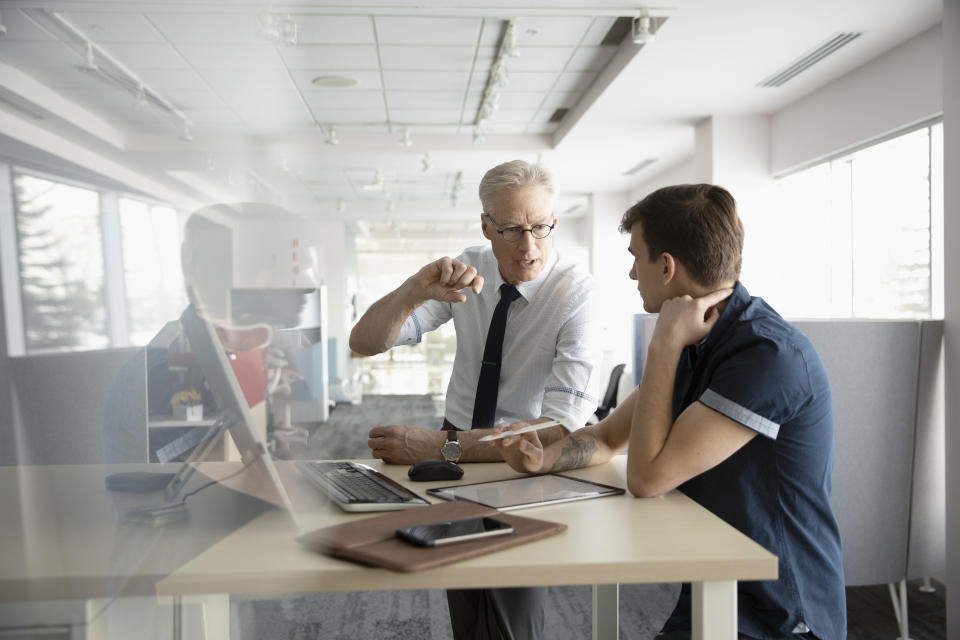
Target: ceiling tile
{"points": [[366, 80], [105, 28], [561, 99], [591, 58], [521, 100], [20, 27], [347, 100], [140, 56], [350, 116], [165, 80], [421, 31], [254, 81], [232, 56], [205, 118], [540, 59], [425, 116], [529, 81], [574, 81], [493, 29], [330, 57], [184, 99], [335, 29], [598, 30], [425, 99], [424, 80], [551, 31], [513, 116], [211, 28], [438, 58]]}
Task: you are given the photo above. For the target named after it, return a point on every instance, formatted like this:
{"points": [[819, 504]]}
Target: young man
{"points": [[733, 409]]}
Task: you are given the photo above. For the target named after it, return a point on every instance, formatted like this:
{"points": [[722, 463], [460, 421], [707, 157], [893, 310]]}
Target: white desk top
{"points": [[63, 538], [609, 540]]}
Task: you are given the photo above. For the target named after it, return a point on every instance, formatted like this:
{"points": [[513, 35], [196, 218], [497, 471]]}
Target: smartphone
{"points": [[438, 533]]}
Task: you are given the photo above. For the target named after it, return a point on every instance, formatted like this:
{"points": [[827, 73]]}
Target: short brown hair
{"points": [[695, 223]]}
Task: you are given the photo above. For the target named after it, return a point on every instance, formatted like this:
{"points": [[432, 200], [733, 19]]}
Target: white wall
{"points": [[951, 148], [898, 88], [610, 264], [265, 256]]}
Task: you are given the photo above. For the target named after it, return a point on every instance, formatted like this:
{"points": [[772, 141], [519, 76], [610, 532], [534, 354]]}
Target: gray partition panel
{"points": [[64, 403], [927, 554], [873, 368]]}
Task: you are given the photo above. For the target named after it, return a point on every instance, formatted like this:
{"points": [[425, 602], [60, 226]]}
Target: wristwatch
{"points": [[451, 449]]}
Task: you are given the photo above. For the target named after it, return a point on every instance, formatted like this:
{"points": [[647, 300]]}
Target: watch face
{"points": [[451, 451]]}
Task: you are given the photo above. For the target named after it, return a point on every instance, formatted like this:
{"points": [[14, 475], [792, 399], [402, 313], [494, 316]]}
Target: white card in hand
{"points": [[526, 429]]}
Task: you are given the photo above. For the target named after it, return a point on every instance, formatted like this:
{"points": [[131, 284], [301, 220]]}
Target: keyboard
{"points": [[357, 487]]}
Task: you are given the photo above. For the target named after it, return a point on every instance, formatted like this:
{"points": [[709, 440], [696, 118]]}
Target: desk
{"points": [[609, 541]]}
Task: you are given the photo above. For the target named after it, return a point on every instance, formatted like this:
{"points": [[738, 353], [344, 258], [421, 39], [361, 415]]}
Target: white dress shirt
{"points": [[550, 347]]}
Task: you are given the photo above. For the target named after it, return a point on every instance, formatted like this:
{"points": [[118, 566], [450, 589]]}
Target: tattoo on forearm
{"points": [[576, 453]]}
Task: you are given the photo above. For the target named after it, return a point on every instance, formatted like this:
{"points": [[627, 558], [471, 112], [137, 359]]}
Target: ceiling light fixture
{"points": [[642, 33], [457, 189], [377, 184], [334, 82], [332, 138], [498, 79], [425, 161], [98, 61], [278, 28], [405, 139]]}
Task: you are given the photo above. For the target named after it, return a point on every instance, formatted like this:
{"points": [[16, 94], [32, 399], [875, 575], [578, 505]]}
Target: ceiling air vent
{"points": [[808, 60], [558, 115], [640, 166]]}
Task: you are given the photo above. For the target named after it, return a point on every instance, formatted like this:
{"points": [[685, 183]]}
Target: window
{"points": [[153, 284], [865, 233], [96, 270], [61, 265]]}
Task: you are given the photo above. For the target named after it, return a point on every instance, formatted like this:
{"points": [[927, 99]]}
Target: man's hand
{"points": [[687, 320], [523, 452], [443, 280], [405, 443]]}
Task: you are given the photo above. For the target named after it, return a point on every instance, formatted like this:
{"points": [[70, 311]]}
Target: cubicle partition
{"points": [[889, 473], [83, 407]]}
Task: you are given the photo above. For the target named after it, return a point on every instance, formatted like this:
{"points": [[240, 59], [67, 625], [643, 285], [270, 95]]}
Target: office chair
{"points": [[610, 397]]}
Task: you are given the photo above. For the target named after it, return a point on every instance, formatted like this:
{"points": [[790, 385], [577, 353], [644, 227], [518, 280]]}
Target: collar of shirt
{"points": [[736, 303], [528, 290]]}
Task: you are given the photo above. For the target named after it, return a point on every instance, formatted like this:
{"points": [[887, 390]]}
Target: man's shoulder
{"points": [[571, 275]]}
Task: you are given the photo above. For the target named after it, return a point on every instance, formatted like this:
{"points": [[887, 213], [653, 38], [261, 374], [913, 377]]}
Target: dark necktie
{"points": [[485, 404]]}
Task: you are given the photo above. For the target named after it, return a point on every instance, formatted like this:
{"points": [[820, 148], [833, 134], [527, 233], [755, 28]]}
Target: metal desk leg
{"points": [[714, 610], [605, 611]]}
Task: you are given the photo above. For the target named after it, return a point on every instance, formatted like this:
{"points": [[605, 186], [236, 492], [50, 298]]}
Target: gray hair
{"points": [[516, 173]]}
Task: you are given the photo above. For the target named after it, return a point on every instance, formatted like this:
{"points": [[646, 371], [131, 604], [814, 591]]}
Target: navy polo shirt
{"points": [[758, 370]]}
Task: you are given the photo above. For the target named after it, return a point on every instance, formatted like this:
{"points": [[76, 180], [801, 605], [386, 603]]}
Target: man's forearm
{"points": [[652, 411], [378, 328], [476, 451]]}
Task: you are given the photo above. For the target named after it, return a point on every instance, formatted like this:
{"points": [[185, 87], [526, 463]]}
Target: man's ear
{"points": [[484, 226], [669, 266]]}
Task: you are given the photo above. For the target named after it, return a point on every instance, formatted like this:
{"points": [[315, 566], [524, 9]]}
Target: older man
{"points": [[526, 351], [549, 343]]}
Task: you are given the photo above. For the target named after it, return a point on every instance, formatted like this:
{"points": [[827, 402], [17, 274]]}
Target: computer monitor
{"points": [[235, 416]]}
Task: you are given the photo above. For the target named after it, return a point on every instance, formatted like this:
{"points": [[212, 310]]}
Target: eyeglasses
{"points": [[512, 234]]}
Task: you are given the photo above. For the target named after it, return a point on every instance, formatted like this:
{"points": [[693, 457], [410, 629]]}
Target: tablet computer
{"points": [[526, 491]]}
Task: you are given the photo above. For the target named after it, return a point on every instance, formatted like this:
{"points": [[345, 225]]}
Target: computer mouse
{"points": [[429, 470]]}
